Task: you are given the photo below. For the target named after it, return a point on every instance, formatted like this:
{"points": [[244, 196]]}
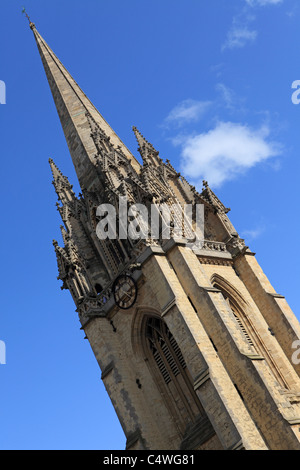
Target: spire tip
{"points": [[31, 25]]}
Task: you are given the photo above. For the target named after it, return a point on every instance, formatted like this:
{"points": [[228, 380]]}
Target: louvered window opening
{"points": [[257, 344], [165, 349], [243, 329], [238, 320]]}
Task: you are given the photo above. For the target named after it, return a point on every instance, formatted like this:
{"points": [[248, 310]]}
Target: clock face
{"points": [[125, 291]]}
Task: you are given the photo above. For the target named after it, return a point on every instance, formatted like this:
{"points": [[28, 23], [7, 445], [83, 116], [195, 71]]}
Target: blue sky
{"points": [[209, 85]]}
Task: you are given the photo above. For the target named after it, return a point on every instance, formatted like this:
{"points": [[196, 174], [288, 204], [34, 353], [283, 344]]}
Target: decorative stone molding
{"points": [[214, 246], [293, 421], [211, 289], [238, 446], [107, 370], [215, 261], [133, 438], [93, 306], [201, 378], [168, 306], [275, 295], [254, 357], [197, 433], [236, 245]]}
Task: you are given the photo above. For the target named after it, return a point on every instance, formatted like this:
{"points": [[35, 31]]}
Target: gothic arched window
{"points": [[239, 309], [169, 365]]}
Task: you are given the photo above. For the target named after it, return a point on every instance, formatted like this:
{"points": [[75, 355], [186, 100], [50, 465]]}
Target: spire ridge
{"points": [[73, 107]]}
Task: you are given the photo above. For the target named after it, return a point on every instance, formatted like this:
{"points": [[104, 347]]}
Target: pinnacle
{"points": [[147, 151], [212, 199], [55, 170], [140, 138], [63, 188]]}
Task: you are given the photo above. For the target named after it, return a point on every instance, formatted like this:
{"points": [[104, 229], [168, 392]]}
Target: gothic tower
{"points": [[193, 342]]}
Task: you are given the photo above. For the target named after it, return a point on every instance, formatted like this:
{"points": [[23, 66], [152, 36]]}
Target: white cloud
{"points": [[228, 96], [263, 2], [187, 111], [238, 36], [252, 234], [229, 100], [225, 152]]}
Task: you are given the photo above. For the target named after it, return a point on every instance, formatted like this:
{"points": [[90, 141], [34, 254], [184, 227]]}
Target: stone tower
{"points": [[193, 342]]}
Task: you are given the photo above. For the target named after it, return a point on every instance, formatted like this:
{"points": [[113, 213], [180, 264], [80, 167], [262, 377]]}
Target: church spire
{"points": [[74, 109]]}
